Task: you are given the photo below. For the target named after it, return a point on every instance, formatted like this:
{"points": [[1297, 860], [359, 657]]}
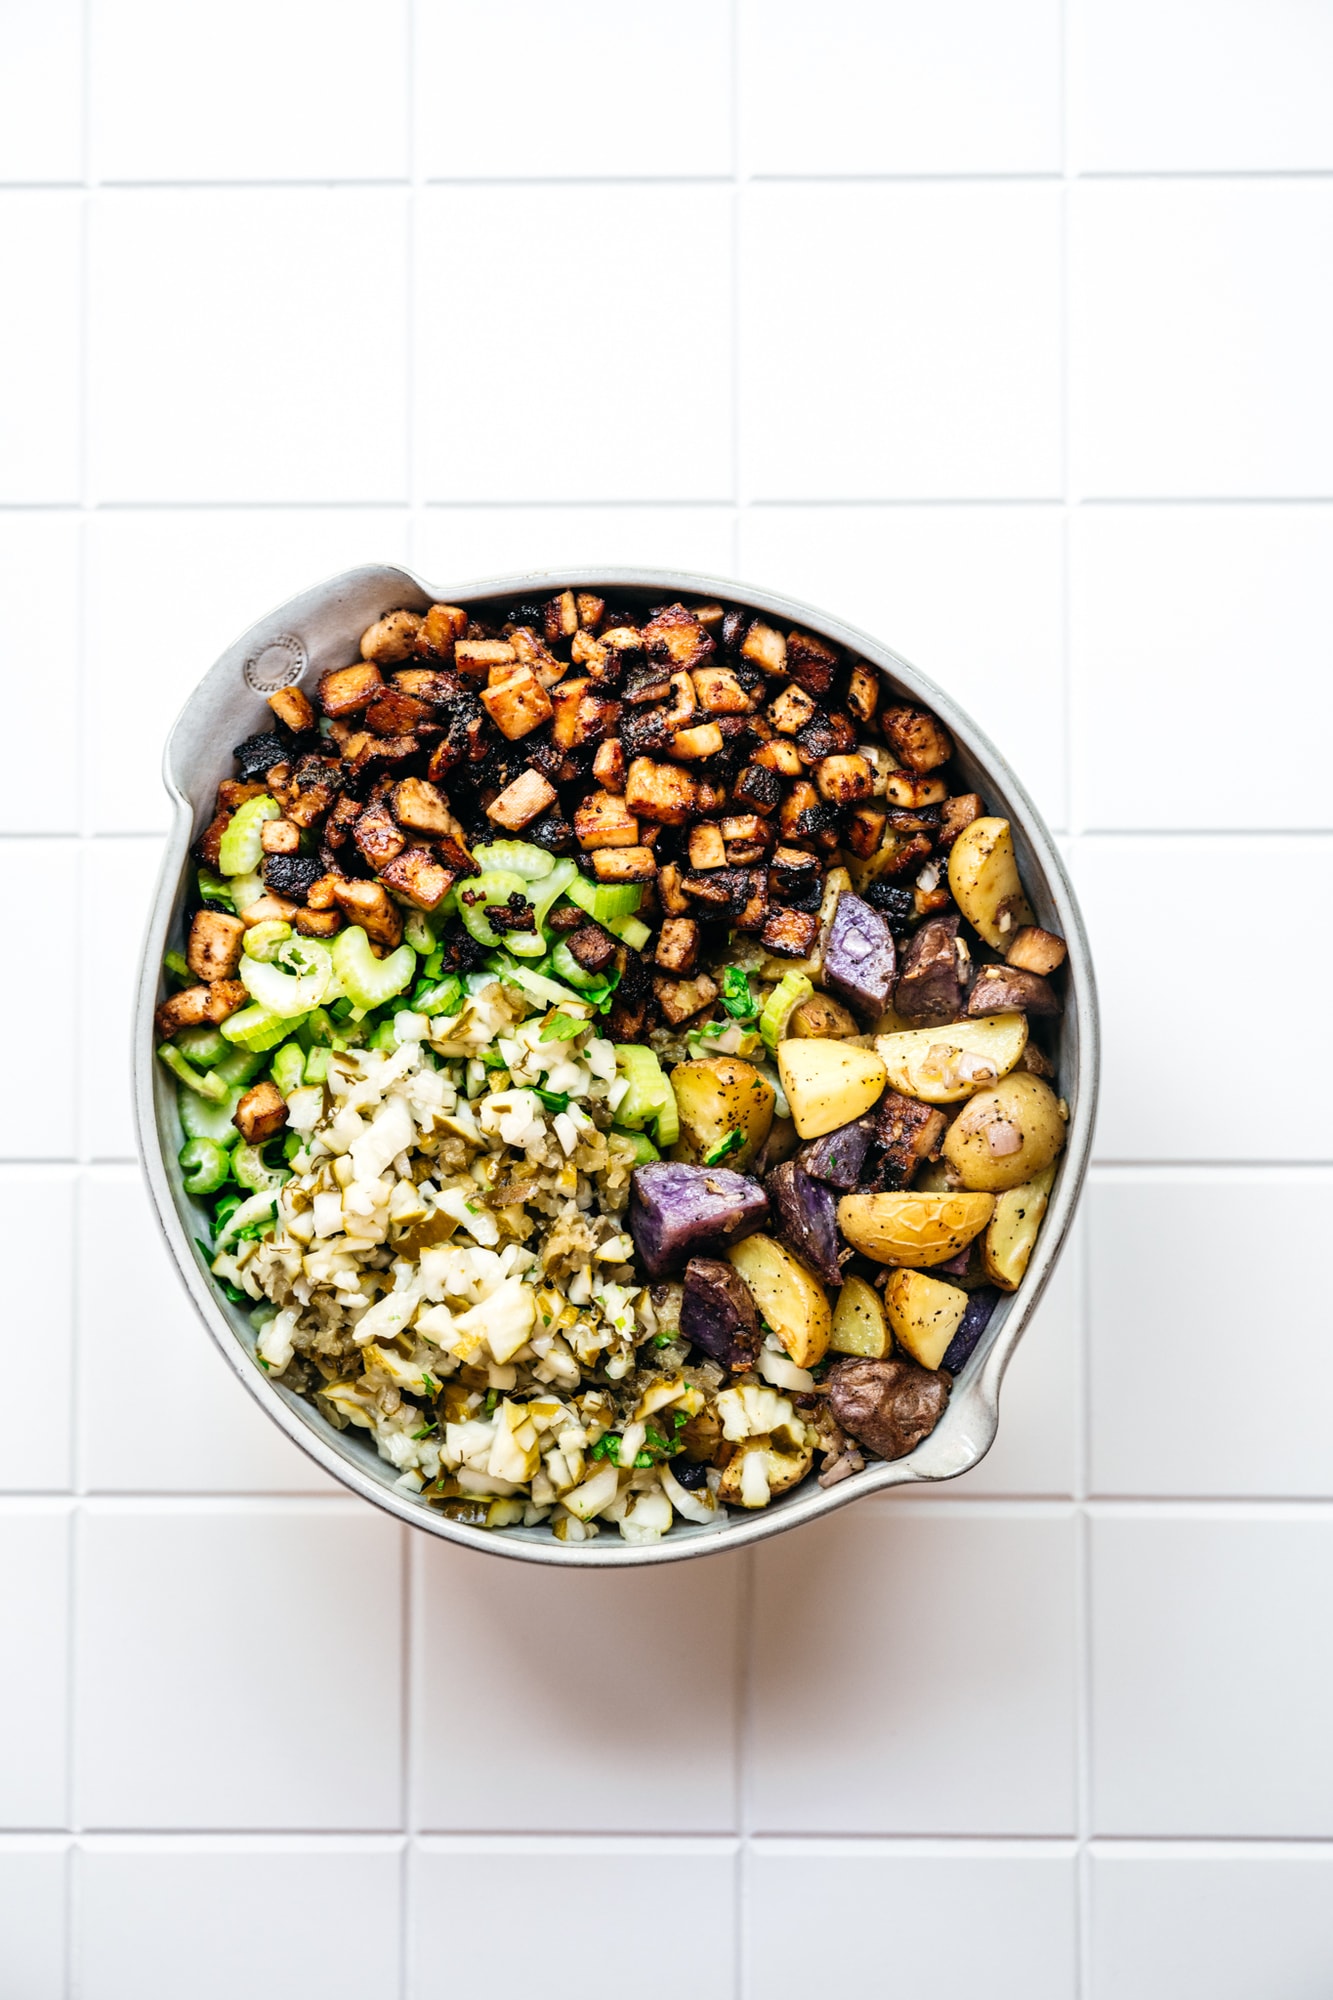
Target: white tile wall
{"points": [[1004, 332]]}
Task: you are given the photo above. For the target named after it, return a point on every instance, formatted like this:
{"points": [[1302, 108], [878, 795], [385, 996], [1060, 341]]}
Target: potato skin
{"points": [[828, 1083], [1022, 1114], [983, 876], [916, 1229], [789, 1298], [717, 1095]]}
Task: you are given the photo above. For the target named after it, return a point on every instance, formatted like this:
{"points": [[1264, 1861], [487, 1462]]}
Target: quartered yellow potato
{"points": [[983, 876], [913, 1228], [716, 1097], [924, 1314], [945, 1065], [1012, 1230], [787, 1296], [1007, 1135], [828, 1083], [859, 1322]]}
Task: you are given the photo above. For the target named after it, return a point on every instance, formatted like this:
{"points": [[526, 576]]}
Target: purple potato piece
{"points": [[840, 1155], [677, 1211], [930, 989], [967, 1269], [1008, 989], [717, 1313], [889, 1406], [860, 958], [807, 1219], [970, 1329]]}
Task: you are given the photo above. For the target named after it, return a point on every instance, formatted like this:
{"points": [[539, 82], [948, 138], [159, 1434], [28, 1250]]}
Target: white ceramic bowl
{"points": [[320, 630]]}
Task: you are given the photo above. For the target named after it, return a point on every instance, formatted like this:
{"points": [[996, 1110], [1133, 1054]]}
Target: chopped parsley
{"points": [[425, 1431], [725, 1147], [428, 1383], [737, 998], [554, 1100], [562, 1027]]}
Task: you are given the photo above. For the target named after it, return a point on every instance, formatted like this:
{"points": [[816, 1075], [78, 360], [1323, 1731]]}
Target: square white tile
{"points": [[248, 344], [1182, 1275], [211, 573], [305, 90], [36, 1329], [1201, 316], [238, 1666], [136, 1324], [41, 413], [266, 1918], [34, 1662], [460, 544], [1007, 1913], [597, 90], [484, 1913], [1209, 619], [39, 1113], [900, 342], [531, 385], [971, 595], [1212, 1650], [883, 87], [1159, 909], [644, 1661], [117, 886], [1188, 86], [41, 90], [950, 1709], [41, 586], [1166, 1921], [32, 1918]]}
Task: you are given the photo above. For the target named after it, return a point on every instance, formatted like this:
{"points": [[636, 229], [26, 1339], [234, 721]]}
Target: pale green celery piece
{"points": [[240, 850], [496, 886], [250, 1171], [259, 1207], [299, 979], [648, 1087], [666, 1126], [517, 857], [203, 1046], [791, 989], [256, 1029], [201, 1118], [238, 1067], [289, 1068], [604, 901], [418, 933], [542, 894], [317, 1064], [246, 890], [208, 1086], [263, 941], [567, 966], [366, 980], [631, 931], [548, 992], [642, 1146]]}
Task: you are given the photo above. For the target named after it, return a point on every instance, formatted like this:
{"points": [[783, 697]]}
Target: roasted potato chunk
{"points": [[725, 1106], [983, 876], [1036, 950], [1007, 1135]]}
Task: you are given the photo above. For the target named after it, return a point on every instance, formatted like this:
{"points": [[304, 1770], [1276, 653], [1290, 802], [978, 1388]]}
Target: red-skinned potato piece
{"points": [[889, 1406]]}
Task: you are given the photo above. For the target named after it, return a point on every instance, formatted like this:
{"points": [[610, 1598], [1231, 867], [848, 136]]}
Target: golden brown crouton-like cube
{"points": [[624, 864], [232, 793], [749, 897], [378, 836], [348, 689], [919, 740], [293, 708], [801, 799], [811, 662], [863, 692], [659, 792], [269, 909], [208, 847], [534, 653], [675, 634], [678, 945], [582, 713], [320, 895], [791, 711], [395, 713], [864, 831], [710, 616], [418, 875], [367, 904], [608, 766], [519, 705], [199, 1004], [669, 892], [603, 820], [790, 933], [680, 999], [592, 947], [707, 847], [585, 651], [261, 1113], [781, 755], [684, 702], [766, 647], [591, 609], [561, 615], [391, 638], [426, 684], [1033, 950], [844, 781], [280, 836], [701, 739], [214, 950], [474, 659], [441, 626], [305, 805], [956, 814], [317, 923], [522, 801], [720, 693], [419, 807], [910, 792]]}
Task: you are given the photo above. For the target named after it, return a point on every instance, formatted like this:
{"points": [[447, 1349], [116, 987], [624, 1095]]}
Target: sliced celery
{"points": [[666, 1126], [605, 900], [205, 1165], [631, 931], [238, 1068], [496, 886], [298, 980], [791, 989], [251, 1171], [177, 968], [368, 981], [566, 966], [289, 1068], [516, 857], [240, 850], [535, 984], [264, 941], [640, 1145], [202, 1119], [203, 1046], [208, 1086], [256, 1029], [214, 888]]}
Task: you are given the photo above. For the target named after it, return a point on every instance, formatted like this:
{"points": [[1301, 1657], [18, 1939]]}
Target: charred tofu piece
{"points": [[710, 890], [310, 797], [684, 705], [603, 820], [909, 792], [583, 713], [863, 692], [269, 909], [718, 691], [293, 708], [825, 735], [608, 766], [780, 756], [645, 733], [208, 847], [591, 609], [957, 813], [766, 647], [441, 627], [624, 864], [417, 874], [811, 662], [681, 999], [1003, 989], [533, 652], [930, 987], [395, 713], [261, 1113], [476, 660], [198, 1005], [844, 781], [593, 947], [678, 946], [790, 933], [320, 894], [437, 689], [659, 792], [280, 836], [254, 759], [561, 617], [706, 845], [368, 905], [700, 740], [748, 838], [1036, 950], [292, 875], [586, 651], [421, 809], [553, 832], [391, 638], [316, 923], [749, 897], [339, 824], [804, 815], [675, 634], [214, 950], [647, 681], [378, 837], [916, 736], [348, 689], [792, 874], [525, 799], [518, 705], [909, 1133], [758, 788], [670, 892], [864, 831], [791, 711]]}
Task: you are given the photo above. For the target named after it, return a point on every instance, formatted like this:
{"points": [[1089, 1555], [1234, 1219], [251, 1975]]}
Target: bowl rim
{"points": [[972, 1417]]}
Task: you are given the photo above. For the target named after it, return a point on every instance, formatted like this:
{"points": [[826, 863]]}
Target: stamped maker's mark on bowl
{"points": [[281, 662]]}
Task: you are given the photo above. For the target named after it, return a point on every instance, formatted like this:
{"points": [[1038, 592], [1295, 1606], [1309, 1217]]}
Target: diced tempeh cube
{"points": [[199, 1004], [863, 692], [593, 947], [348, 689], [524, 799], [418, 806], [675, 634], [844, 781], [957, 813], [608, 766], [582, 713], [678, 945], [519, 705], [719, 692], [766, 647], [280, 836], [561, 616], [603, 820], [909, 790], [261, 1113], [680, 999], [417, 874], [791, 711], [780, 756], [811, 662], [701, 739], [368, 904], [378, 836], [395, 713], [391, 638], [707, 847], [1036, 950], [293, 708], [790, 933], [214, 950], [624, 864], [475, 658], [316, 923], [922, 742], [659, 792]]}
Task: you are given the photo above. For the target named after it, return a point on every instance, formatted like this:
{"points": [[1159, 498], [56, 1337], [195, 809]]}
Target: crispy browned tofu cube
{"points": [[700, 740], [214, 949], [208, 847], [199, 1004], [811, 662], [669, 892], [395, 713], [232, 792], [914, 734], [749, 897], [441, 626], [583, 713], [709, 615], [603, 820], [608, 766], [780, 756], [864, 831], [684, 703], [591, 610], [766, 647], [1035, 950], [791, 711], [757, 787], [306, 802], [844, 781], [261, 1113], [624, 864], [909, 1132], [794, 877], [280, 836], [535, 653], [270, 909], [348, 689], [907, 790], [524, 799], [475, 659], [585, 651], [518, 705], [320, 895], [790, 933], [800, 800], [711, 889], [368, 905], [659, 792], [378, 836], [561, 615], [678, 946], [957, 813], [675, 634], [391, 638], [863, 692], [593, 947], [707, 847], [317, 923], [418, 875], [681, 999], [426, 684], [420, 808], [293, 708], [719, 692]]}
